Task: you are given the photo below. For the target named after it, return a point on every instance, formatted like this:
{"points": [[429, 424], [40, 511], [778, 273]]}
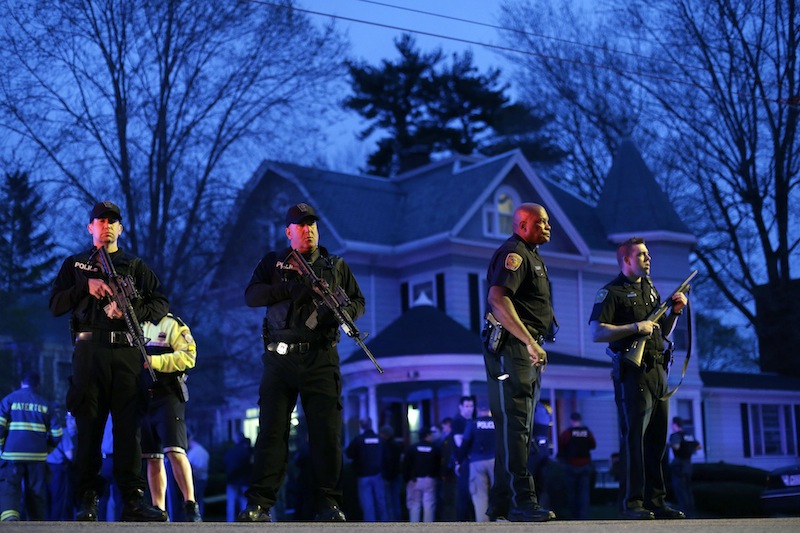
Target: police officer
{"points": [[574, 446], [173, 352], [105, 368], [519, 299], [619, 317], [466, 413], [684, 446], [366, 452], [300, 357], [478, 446], [421, 465]]}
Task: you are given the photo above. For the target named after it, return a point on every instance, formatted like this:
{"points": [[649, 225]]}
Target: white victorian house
{"points": [[419, 245]]}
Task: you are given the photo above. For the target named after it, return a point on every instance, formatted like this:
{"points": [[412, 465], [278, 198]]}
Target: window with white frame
{"points": [[772, 430], [498, 216]]}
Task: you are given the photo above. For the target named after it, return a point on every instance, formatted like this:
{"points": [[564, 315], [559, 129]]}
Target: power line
{"points": [[527, 34], [466, 41], [642, 74]]}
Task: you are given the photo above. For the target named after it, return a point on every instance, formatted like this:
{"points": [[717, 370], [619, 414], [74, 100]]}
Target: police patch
{"points": [[513, 261], [601, 295]]}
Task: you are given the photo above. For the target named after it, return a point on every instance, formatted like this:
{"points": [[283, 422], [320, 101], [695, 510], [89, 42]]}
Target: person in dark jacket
{"points": [[238, 461], [391, 472], [478, 447], [105, 366], [366, 452], [684, 446], [574, 448], [300, 359], [420, 470]]}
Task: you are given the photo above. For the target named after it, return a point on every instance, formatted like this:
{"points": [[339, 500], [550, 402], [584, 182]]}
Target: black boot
{"points": [[192, 512], [88, 510], [254, 513], [136, 509]]}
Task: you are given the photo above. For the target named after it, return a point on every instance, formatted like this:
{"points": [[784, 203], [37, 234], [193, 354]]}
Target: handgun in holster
{"points": [[494, 334]]}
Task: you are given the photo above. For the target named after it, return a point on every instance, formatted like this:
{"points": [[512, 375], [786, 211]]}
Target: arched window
{"points": [[498, 216]]}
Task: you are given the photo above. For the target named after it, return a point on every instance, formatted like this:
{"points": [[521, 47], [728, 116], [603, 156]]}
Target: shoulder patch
{"points": [[601, 295], [513, 261]]}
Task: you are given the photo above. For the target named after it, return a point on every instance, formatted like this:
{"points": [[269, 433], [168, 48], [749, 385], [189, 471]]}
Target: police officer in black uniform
{"points": [[302, 360], [105, 368], [366, 452], [575, 445], [479, 447], [684, 446], [421, 466], [619, 317], [519, 299]]}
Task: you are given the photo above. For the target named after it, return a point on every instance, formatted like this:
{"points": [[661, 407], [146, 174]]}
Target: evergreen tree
{"points": [[428, 107], [26, 262]]}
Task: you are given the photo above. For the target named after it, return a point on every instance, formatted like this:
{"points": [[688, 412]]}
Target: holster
{"points": [[494, 335]]}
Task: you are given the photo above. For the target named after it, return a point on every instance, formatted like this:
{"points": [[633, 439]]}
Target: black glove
{"points": [[300, 293], [326, 318]]}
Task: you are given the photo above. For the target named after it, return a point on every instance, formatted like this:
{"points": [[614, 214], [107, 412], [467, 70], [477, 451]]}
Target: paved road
{"points": [[771, 525]]}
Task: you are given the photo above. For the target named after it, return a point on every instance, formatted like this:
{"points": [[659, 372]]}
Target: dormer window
{"points": [[498, 216]]}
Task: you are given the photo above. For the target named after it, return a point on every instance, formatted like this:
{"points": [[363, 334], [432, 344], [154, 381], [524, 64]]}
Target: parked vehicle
{"points": [[782, 494]]}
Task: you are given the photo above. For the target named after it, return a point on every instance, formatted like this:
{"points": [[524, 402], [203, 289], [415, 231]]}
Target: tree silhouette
{"points": [[27, 262], [160, 106], [427, 107]]}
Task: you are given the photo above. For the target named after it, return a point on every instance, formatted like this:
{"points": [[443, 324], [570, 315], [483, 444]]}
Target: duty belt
{"points": [[282, 348], [108, 337]]}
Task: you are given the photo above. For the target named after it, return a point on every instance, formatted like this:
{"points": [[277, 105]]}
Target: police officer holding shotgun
{"points": [[620, 318], [300, 358]]}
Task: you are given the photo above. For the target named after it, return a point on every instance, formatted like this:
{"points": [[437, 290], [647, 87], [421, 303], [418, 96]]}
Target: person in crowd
{"points": [[574, 448], [172, 352], [238, 461], [366, 452], [391, 472], [519, 301], [29, 431], [466, 413], [619, 317], [447, 484], [479, 447], [61, 488], [109, 499], [420, 470], [105, 367], [300, 358], [199, 460], [684, 446]]}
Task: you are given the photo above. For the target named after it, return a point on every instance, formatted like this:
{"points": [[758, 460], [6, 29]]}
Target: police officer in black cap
{"points": [[300, 358], [105, 367]]}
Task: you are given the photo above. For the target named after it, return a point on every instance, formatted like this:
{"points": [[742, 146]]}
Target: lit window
{"points": [[499, 214]]}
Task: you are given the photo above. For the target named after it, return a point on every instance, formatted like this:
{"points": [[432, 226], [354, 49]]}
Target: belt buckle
{"points": [[282, 348]]}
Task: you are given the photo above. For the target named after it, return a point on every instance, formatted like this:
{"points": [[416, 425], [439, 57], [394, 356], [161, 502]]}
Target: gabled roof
{"points": [[390, 211], [632, 202], [422, 330]]}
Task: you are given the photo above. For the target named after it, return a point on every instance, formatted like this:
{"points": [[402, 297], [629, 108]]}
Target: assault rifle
{"points": [[334, 300], [635, 352], [124, 293]]}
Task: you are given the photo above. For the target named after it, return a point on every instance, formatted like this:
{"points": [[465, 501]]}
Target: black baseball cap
{"points": [[107, 210], [300, 212]]}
